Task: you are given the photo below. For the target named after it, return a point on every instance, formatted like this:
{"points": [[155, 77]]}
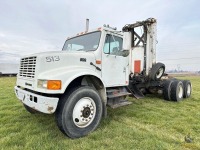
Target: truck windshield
{"points": [[86, 42]]}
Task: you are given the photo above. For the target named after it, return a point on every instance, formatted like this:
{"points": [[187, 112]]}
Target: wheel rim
{"points": [[84, 112], [160, 73], [188, 90], [180, 91]]}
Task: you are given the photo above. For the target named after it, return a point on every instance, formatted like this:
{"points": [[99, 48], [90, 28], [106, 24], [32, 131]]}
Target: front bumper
{"points": [[40, 103]]}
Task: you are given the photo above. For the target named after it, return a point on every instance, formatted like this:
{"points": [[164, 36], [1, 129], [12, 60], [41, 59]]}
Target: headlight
{"points": [[42, 84], [50, 84]]}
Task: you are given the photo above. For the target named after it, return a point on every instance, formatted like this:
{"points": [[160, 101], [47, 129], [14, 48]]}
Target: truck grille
{"points": [[27, 67]]}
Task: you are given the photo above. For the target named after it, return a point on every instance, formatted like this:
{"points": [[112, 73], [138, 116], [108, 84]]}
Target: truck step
{"points": [[117, 94], [116, 97], [112, 91]]}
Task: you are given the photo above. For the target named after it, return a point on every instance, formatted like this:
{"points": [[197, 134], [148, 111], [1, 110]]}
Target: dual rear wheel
{"points": [[176, 90]]}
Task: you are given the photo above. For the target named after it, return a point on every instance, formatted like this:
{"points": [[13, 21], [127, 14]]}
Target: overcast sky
{"points": [[31, 26]]}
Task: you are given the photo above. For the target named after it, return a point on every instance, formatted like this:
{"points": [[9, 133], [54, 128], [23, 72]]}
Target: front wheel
{"points": [[79, 112]]}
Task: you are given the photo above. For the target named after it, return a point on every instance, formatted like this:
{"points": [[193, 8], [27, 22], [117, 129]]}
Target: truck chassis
{"points": [[79, 94]]}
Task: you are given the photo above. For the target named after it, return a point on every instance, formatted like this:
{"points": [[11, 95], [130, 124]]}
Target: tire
{"points": [[157, 71], [79, 112], [187, 88], [177, 90], [167, 89], [30, 110]]}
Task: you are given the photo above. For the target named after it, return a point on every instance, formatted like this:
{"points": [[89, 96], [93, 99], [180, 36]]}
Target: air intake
{"points": [[27, 67]]}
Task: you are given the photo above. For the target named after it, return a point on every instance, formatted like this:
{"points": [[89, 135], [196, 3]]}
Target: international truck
{"points": [[96, 69]]}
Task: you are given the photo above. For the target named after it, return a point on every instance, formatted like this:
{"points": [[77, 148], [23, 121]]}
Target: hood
{"points": [[48, 61]]}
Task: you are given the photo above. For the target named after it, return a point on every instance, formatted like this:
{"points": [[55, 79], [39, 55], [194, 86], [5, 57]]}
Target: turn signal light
{"points": [[98, 61], [53, 84]]}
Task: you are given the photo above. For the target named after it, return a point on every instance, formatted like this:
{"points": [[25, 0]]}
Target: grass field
{"points": [[149, 123]]}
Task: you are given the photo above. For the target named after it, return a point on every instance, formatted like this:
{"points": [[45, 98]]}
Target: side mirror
{"points": [[127, 41], [125, 53], [126, 44]]}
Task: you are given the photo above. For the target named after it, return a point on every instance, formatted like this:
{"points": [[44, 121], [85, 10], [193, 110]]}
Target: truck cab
{"points": [[97, 54]]}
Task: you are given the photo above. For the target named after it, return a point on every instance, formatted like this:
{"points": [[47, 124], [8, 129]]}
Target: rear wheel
{"points": [[177, 90], [79, 112], [187, 88], [167, 89]]}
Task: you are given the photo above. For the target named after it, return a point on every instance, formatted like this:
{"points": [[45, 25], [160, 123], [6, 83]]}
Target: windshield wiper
{"points": [[90, 50], [80, 50], [85, 50]]}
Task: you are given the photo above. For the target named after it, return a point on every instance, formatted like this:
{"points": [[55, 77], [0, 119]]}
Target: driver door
{"points": [[114, 65]]}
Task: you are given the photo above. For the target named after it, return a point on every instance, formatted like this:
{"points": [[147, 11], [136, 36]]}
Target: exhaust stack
{"points": [[87, 25]]}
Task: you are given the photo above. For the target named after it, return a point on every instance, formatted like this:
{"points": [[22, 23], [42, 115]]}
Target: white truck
{"points": [[94, 70]]}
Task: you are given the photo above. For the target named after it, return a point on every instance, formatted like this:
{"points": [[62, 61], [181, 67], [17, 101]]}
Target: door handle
{"points": [[124, 69]]}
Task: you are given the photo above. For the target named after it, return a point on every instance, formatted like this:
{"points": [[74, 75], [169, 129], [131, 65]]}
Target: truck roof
{"points": [[106, 28]]}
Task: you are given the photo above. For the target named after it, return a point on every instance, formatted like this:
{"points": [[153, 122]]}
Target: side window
{"points": [[113, 45], [106, 48]]}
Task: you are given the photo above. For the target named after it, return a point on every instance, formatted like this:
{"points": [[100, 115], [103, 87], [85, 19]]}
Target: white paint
{"points": [[137, 54], [87, 106], [114, 69], [151, 47], [44, 104]]}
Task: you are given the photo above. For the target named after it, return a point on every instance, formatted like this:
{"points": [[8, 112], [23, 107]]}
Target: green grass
{"points": [[149, 123]]}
